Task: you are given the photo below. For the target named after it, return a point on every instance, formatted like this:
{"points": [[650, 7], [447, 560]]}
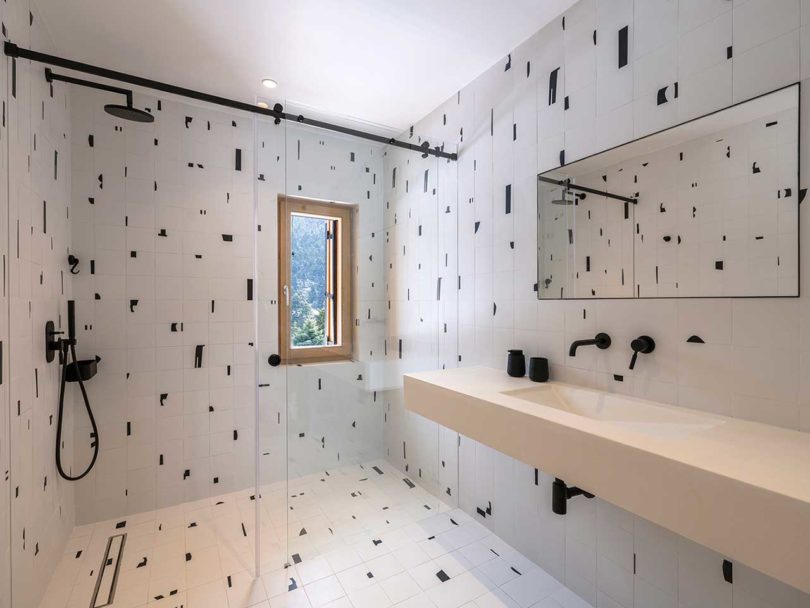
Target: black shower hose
{"points": [[72, 348]]}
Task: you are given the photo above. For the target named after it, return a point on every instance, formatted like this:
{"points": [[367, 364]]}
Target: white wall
{"points": [[150, 206], [753, 363], [34, 244], [166, 218]]}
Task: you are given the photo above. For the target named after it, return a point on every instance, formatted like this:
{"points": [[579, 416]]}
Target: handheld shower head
{"points": [[73, 371]]}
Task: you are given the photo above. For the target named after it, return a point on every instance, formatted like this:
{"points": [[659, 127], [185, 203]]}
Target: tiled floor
{"points": [[359, 537]]}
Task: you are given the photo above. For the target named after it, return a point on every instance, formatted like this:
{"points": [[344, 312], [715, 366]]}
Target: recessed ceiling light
{"points": [[269, 83], [263, 104]]}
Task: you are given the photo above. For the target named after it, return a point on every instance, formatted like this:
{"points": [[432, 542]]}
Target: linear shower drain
{"points": [[104, 593]]}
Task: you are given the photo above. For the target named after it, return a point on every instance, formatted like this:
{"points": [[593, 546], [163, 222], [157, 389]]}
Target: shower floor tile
{"points": [[355, 537]]}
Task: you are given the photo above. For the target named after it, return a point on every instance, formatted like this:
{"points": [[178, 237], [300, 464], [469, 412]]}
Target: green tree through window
{"points": [[308, 278]]}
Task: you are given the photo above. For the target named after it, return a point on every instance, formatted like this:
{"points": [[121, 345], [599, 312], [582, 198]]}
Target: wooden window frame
{"points": [[339, 280]]}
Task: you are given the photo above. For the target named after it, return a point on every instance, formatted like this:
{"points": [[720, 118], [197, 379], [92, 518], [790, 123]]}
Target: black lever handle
{"points": [[642, 344]]}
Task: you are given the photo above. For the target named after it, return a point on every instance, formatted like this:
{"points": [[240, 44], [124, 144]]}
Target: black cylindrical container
{"points": [[516, 363], [538, 369]]}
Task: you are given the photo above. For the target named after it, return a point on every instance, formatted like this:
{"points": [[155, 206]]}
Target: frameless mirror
{"points": [[708, 208]]}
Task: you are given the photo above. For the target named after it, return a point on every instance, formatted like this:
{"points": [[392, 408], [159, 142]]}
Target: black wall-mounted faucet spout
{"points": [[602, 341], [642, 344]]}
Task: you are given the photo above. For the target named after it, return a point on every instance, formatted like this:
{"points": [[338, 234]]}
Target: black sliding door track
{"points": [[566, 183], [277, 112]]}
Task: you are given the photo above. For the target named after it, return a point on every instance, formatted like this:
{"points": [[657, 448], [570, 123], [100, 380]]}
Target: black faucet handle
{"points": [[602, 341], [642, 344]]}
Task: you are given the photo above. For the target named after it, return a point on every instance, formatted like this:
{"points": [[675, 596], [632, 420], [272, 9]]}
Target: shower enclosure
{"points": [[252, 291]]}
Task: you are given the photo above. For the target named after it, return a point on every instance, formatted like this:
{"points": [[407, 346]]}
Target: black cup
{"points": [[516, 363], [538, 369]]}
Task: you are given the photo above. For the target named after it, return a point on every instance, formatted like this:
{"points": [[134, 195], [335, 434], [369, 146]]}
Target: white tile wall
{"points": [[658, 248], [170, 192], [753, 360], [5, 439], [162, 224], [36, 506]]}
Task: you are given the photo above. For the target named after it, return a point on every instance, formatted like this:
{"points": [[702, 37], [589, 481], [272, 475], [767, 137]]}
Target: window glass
{"points": [[308, 274]]}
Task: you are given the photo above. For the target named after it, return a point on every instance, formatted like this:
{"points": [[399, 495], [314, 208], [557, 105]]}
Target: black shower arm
{"points": [[50, 76]]}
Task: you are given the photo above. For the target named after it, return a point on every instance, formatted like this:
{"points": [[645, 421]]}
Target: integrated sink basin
{"points": [[740, 488], [627, 413]]}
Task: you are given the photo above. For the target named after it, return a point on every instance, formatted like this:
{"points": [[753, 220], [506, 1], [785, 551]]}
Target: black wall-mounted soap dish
{"points": [[86, 369]]}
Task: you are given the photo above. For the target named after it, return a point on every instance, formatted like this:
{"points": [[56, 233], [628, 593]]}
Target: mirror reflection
{"points": [[708, 208]]}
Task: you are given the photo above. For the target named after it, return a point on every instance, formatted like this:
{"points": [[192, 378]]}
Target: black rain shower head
{"points": [[564, 200], [128, 113]]}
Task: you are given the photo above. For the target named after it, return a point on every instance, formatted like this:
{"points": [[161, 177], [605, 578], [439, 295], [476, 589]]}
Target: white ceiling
{"points": [[387, 62]]}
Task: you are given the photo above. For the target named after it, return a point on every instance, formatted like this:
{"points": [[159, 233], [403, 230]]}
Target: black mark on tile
{"points": [[508, 196], [623, 45], [552, 86]]}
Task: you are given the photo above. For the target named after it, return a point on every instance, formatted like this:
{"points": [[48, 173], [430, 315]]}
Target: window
{"points": [[315, 280]]}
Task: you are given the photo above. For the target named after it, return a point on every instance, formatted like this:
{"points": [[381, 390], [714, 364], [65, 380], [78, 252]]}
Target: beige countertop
{"points": [[741, 488]]}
